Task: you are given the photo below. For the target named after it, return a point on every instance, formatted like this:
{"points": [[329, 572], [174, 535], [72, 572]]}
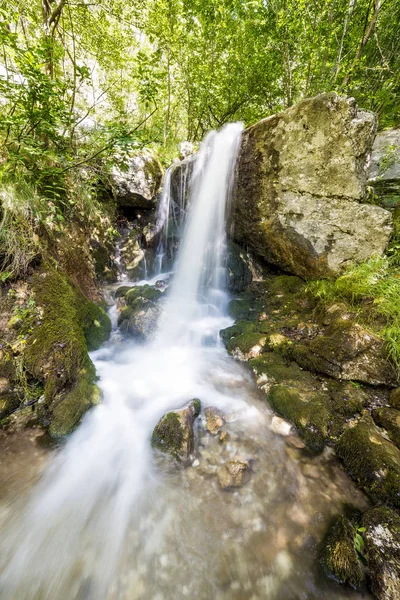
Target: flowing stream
{"points": [[111, 519]]}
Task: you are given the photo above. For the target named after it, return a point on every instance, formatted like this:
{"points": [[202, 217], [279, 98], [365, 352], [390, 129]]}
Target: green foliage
{"points": [[373, 289]]}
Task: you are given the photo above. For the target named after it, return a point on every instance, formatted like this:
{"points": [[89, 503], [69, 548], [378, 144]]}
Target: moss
{"points": [[286, 284], [389, 418], [346, 400], [125, 314], [395, 399], [146, 291], [307, 412], [8, 403], [245, 342], [236, 330], [243, 308], [121, 291], [274, 367], [340, 558], [372, 461], [96, 325], [196, 404], [168, 435], [72, 405], [56, 352]]}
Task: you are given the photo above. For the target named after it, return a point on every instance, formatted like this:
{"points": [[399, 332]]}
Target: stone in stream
{"points": [[339, 557], [214, 420], [382, 549], [140, 310], [234, 473], [174, 434]]}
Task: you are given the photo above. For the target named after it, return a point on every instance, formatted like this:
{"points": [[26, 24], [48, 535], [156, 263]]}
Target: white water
{"points": [[111, 520]]}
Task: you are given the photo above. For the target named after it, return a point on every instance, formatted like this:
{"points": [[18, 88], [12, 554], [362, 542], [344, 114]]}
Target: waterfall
{"points": [[70, 539], [198, 290]]}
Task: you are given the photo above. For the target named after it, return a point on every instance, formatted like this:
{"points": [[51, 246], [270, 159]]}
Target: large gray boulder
{"points": [[301, 176], [384, 170], [136, 181]]}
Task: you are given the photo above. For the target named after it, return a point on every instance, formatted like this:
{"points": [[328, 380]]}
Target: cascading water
{"points": [[112, 520]]}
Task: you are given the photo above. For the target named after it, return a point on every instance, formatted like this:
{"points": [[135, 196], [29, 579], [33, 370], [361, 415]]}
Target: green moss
{"points": [[146, 291], [242, 308], [275, 367], [125, 314], [372, 461], [340, 558], [245, 342], [96, 325], [121, 291], [286, 284], [395, 399], [236, 330], [196, 404], [308, 412], [8, 403], [168, 435], [72, 405]]}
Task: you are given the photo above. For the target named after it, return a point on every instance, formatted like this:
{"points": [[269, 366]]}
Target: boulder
{"points": [[372, 460], [384, 170], [382, 549], [174, 432], [136, 181], [301, 176], [389, 418]]}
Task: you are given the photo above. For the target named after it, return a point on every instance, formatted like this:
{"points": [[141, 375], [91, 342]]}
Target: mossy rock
{"points": [[389, 418], [244, 308], [122, 291], [56, 351], [246, 345], [286, 284], [147, 292], [382, 549], [372, 461], [237, 329], [339, 558], [394, 400], [9, 402], [271, 368], [308, 412], [174, 434]]}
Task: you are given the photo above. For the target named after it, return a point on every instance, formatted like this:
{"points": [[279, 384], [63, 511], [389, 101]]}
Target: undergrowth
{"points": [[373, 290]]}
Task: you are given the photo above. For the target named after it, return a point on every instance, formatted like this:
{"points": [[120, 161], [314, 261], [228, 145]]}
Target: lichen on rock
{"points": [[174, 433]]}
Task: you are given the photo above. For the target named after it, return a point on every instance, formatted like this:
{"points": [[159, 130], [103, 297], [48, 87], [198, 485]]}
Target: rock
{"points": [[300, 178], [142, 310], [214, 419], [280, 426], [384, 170], [395, 399], [382, 549], [174, 432], [234, 473], [247, 345], [307, 411], [136, 181], [339, 557], [239, 273], [389, 418], [105, 267], [372, 460], [346, 350]]}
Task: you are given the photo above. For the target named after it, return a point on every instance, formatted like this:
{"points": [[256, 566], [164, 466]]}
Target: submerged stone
{"points": [[214, 420], [234, 473], [174, 433]]}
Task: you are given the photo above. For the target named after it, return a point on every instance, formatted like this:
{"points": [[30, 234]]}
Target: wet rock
{"points": [[280, 426], [307, 411], [142, 310], [247, 345], [384, 170], [395, 399], [389, 418], [136, 181], [234, 473], [346, 350], [339, 557], [372, 460], [382, 549], [174, 432], [239, 273], [214, 419], [297, 201]]}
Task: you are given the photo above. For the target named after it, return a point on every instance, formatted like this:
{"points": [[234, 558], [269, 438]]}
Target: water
{"points": [[110, 519]]}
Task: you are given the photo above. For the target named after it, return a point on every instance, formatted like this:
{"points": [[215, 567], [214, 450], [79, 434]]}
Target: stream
{"points": [[106, 517]]}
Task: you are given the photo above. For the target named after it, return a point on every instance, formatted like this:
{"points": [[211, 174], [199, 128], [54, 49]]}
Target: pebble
{"points": [[280, 426]]}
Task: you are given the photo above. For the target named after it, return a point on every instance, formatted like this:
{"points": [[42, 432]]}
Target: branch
{"points": [[56, 12], [107, 146]]}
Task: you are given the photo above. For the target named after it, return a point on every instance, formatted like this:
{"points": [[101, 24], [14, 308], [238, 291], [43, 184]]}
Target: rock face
{"points": [[136, 181], [384, 171], [239, 273], [174, 432], [301, 176]]}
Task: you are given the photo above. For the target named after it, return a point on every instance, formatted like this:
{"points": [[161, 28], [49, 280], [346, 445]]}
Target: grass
{"points": [[373, 290]]}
